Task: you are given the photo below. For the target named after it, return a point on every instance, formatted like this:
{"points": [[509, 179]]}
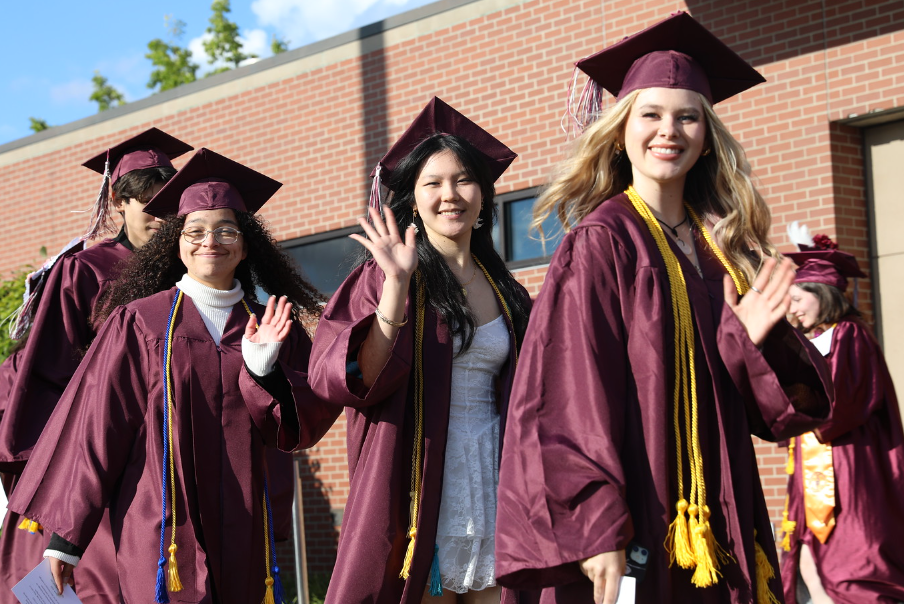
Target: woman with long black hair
{"points": [[420, 344], [187, 384]]}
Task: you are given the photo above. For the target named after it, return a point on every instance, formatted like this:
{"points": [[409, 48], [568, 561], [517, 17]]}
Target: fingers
{"points": [[731, 292], [610, 587], [60, 576], [392, 227], [251, 327], [410, 236], [268, 313]]}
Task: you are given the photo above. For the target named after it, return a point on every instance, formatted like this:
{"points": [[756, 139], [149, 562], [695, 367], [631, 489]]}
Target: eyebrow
{"points": [[659, 108], [462, 173]]}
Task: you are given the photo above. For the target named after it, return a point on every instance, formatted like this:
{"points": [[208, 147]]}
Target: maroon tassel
{"points": [[101, 213]]}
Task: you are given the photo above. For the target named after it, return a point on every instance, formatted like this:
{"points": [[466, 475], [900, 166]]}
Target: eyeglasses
{"points": [[223, 235]]}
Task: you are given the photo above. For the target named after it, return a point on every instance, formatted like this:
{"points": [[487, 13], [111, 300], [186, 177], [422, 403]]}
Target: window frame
{"points": [[501, 201]]}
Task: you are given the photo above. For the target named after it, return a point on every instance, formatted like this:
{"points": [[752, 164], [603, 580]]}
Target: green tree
{"points": [[278, 45], [223, 43], [38, 125], [173, 64], [104, 94], [11, 292]]}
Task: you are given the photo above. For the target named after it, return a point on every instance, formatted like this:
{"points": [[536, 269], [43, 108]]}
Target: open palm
{"points": [[397, 258]]}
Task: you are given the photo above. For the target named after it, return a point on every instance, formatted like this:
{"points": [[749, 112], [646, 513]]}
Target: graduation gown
{"points": [[381, 432], [589, 462], [103, 447], [863, 558], [60, 334]]}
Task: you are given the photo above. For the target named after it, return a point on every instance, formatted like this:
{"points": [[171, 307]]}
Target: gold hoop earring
{"points": [[708, 151], [619, 147]]}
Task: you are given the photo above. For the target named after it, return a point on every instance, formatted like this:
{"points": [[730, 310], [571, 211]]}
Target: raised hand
{"points": [[274, 326], [606, 571], [767, 302], [397, 258]]}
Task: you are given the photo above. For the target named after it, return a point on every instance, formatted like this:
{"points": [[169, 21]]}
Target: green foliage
{"points": [[278, 45], [38, 125], [317, 584], [11, 291], [104, 94], [223, 43], [173, 63]]}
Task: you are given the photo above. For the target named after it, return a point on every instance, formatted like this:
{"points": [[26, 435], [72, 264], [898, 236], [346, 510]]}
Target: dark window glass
{"points": [[519, 244], [326, 263]]}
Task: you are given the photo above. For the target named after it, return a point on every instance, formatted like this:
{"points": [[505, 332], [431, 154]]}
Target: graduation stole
{"points": [[168, 579], [417, 457], [690, 541]]}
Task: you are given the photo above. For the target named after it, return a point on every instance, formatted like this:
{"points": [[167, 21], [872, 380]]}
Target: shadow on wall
{"points": [[321, 522], [766, 31]]}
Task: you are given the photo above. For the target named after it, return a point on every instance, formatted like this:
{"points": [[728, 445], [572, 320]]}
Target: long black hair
{"points": [[157, 267], [133, 184], [443, 290]]}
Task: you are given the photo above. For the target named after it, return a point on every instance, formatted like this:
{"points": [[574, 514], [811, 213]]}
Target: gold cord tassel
{"points": [[268, 593], [764, 573], [409, 553], [789, 469], [678, 541], [30, 525], [172, 572]]}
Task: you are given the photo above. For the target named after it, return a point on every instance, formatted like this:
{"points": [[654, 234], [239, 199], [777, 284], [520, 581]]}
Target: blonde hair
{"points": [[719, 186]]}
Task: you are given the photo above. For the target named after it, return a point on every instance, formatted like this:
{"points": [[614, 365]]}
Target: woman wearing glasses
{"points": [[188, 381]]}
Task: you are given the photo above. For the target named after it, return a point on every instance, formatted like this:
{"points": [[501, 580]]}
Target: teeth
{"points": [[668, 151]]}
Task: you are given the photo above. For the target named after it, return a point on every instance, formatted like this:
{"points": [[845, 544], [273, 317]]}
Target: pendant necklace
{"points": [[674, 229], [464, 288]]}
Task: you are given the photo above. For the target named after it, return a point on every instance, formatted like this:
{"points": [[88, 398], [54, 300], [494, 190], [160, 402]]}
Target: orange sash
{"points": [[819, 485]]}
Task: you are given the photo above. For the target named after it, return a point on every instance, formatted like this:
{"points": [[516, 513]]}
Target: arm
{"points": [[857, 366], [562, 484]]}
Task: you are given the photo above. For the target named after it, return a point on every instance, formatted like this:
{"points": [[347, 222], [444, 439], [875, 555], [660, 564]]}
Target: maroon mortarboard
{"points": [[153, 148], [439, 117], [675, 53], [210, 181], [832, 267]]}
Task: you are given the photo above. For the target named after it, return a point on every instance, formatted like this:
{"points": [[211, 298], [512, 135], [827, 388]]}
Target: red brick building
{"points": [[825, 135]]}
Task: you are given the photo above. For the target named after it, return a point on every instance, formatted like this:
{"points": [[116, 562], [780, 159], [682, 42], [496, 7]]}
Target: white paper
{"points": [[37, 587], [3, 503], [626, 590]]}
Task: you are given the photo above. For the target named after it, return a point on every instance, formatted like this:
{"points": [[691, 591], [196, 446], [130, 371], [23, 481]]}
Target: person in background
{"points": [[656, 347], [844, 516], [186, 386], [58, 322], [420, 344]]}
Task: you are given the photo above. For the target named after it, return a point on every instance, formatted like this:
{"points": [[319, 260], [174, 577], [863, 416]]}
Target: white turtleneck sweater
{"points": [[214, 306]]}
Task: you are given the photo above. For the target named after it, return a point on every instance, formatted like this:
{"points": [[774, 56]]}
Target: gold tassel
{"points": [[764, 572], [678, 542], [172, 572], [709, 554], [789, 469], [268, 593], [30, 525], [788, 527], [409, 554]]}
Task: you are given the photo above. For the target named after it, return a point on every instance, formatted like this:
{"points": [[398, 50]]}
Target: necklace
{"points": [[686, 248], [674, 229], [464, 286]]}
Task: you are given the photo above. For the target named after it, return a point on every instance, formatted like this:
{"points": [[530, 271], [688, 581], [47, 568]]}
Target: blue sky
{"points": [[53, 47]]}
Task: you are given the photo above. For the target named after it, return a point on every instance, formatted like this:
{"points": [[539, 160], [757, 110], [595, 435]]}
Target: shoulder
{"points": [[148, 315], [612, 230], [101, 257], [853, 329]]}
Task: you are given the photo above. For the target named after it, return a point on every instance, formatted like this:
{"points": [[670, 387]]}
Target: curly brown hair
{"points": [[157, 267]]}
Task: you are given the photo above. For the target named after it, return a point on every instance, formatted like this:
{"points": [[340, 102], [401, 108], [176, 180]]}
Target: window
{"points": [[325, 259], [515, 243]]}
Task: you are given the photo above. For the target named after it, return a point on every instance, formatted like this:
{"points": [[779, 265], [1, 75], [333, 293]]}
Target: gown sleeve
{"points": [[562, 484], [282, 405], [89, 439], [786, 385], [859, 389], [343, 327]]}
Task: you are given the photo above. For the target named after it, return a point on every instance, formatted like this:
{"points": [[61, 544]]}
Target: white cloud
{"points": [[134, 69], [303, 21], [72, 91], [255, 42]]}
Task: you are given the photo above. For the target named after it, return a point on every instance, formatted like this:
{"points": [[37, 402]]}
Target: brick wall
{"points": [[506, 63]]}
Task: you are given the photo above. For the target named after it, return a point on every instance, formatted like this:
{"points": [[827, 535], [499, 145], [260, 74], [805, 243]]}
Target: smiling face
{"points": [[212, 263], [805, 307], [664, 135], [139, 227], [448, 200]]}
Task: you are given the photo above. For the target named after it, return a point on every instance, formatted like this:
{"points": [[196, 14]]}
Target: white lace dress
{"points": [[467, 512]]}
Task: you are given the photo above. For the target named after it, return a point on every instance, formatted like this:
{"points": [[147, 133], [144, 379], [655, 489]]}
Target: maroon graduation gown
{"points": [[863, 558], [59, 336], [589, 461], [381, 431], [103, 447]]}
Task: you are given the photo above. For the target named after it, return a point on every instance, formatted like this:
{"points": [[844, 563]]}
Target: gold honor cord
{"points": [[174, 584], [417, 457], [788, 526]]}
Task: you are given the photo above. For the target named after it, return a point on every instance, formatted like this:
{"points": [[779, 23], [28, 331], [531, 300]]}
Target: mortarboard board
{"points": [[153, 148], [210, 181], [439, 117], [675, 53], [832, 267]]}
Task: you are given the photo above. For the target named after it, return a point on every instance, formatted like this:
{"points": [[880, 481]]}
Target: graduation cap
{"points": [[210, 181], [439, 117], [152, 148], [677, 52], [832, 267]]}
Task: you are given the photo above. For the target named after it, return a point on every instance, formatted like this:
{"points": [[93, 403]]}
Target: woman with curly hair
{"points": [[188, 382], [420, 344], [642, 375], [844, 524]]}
